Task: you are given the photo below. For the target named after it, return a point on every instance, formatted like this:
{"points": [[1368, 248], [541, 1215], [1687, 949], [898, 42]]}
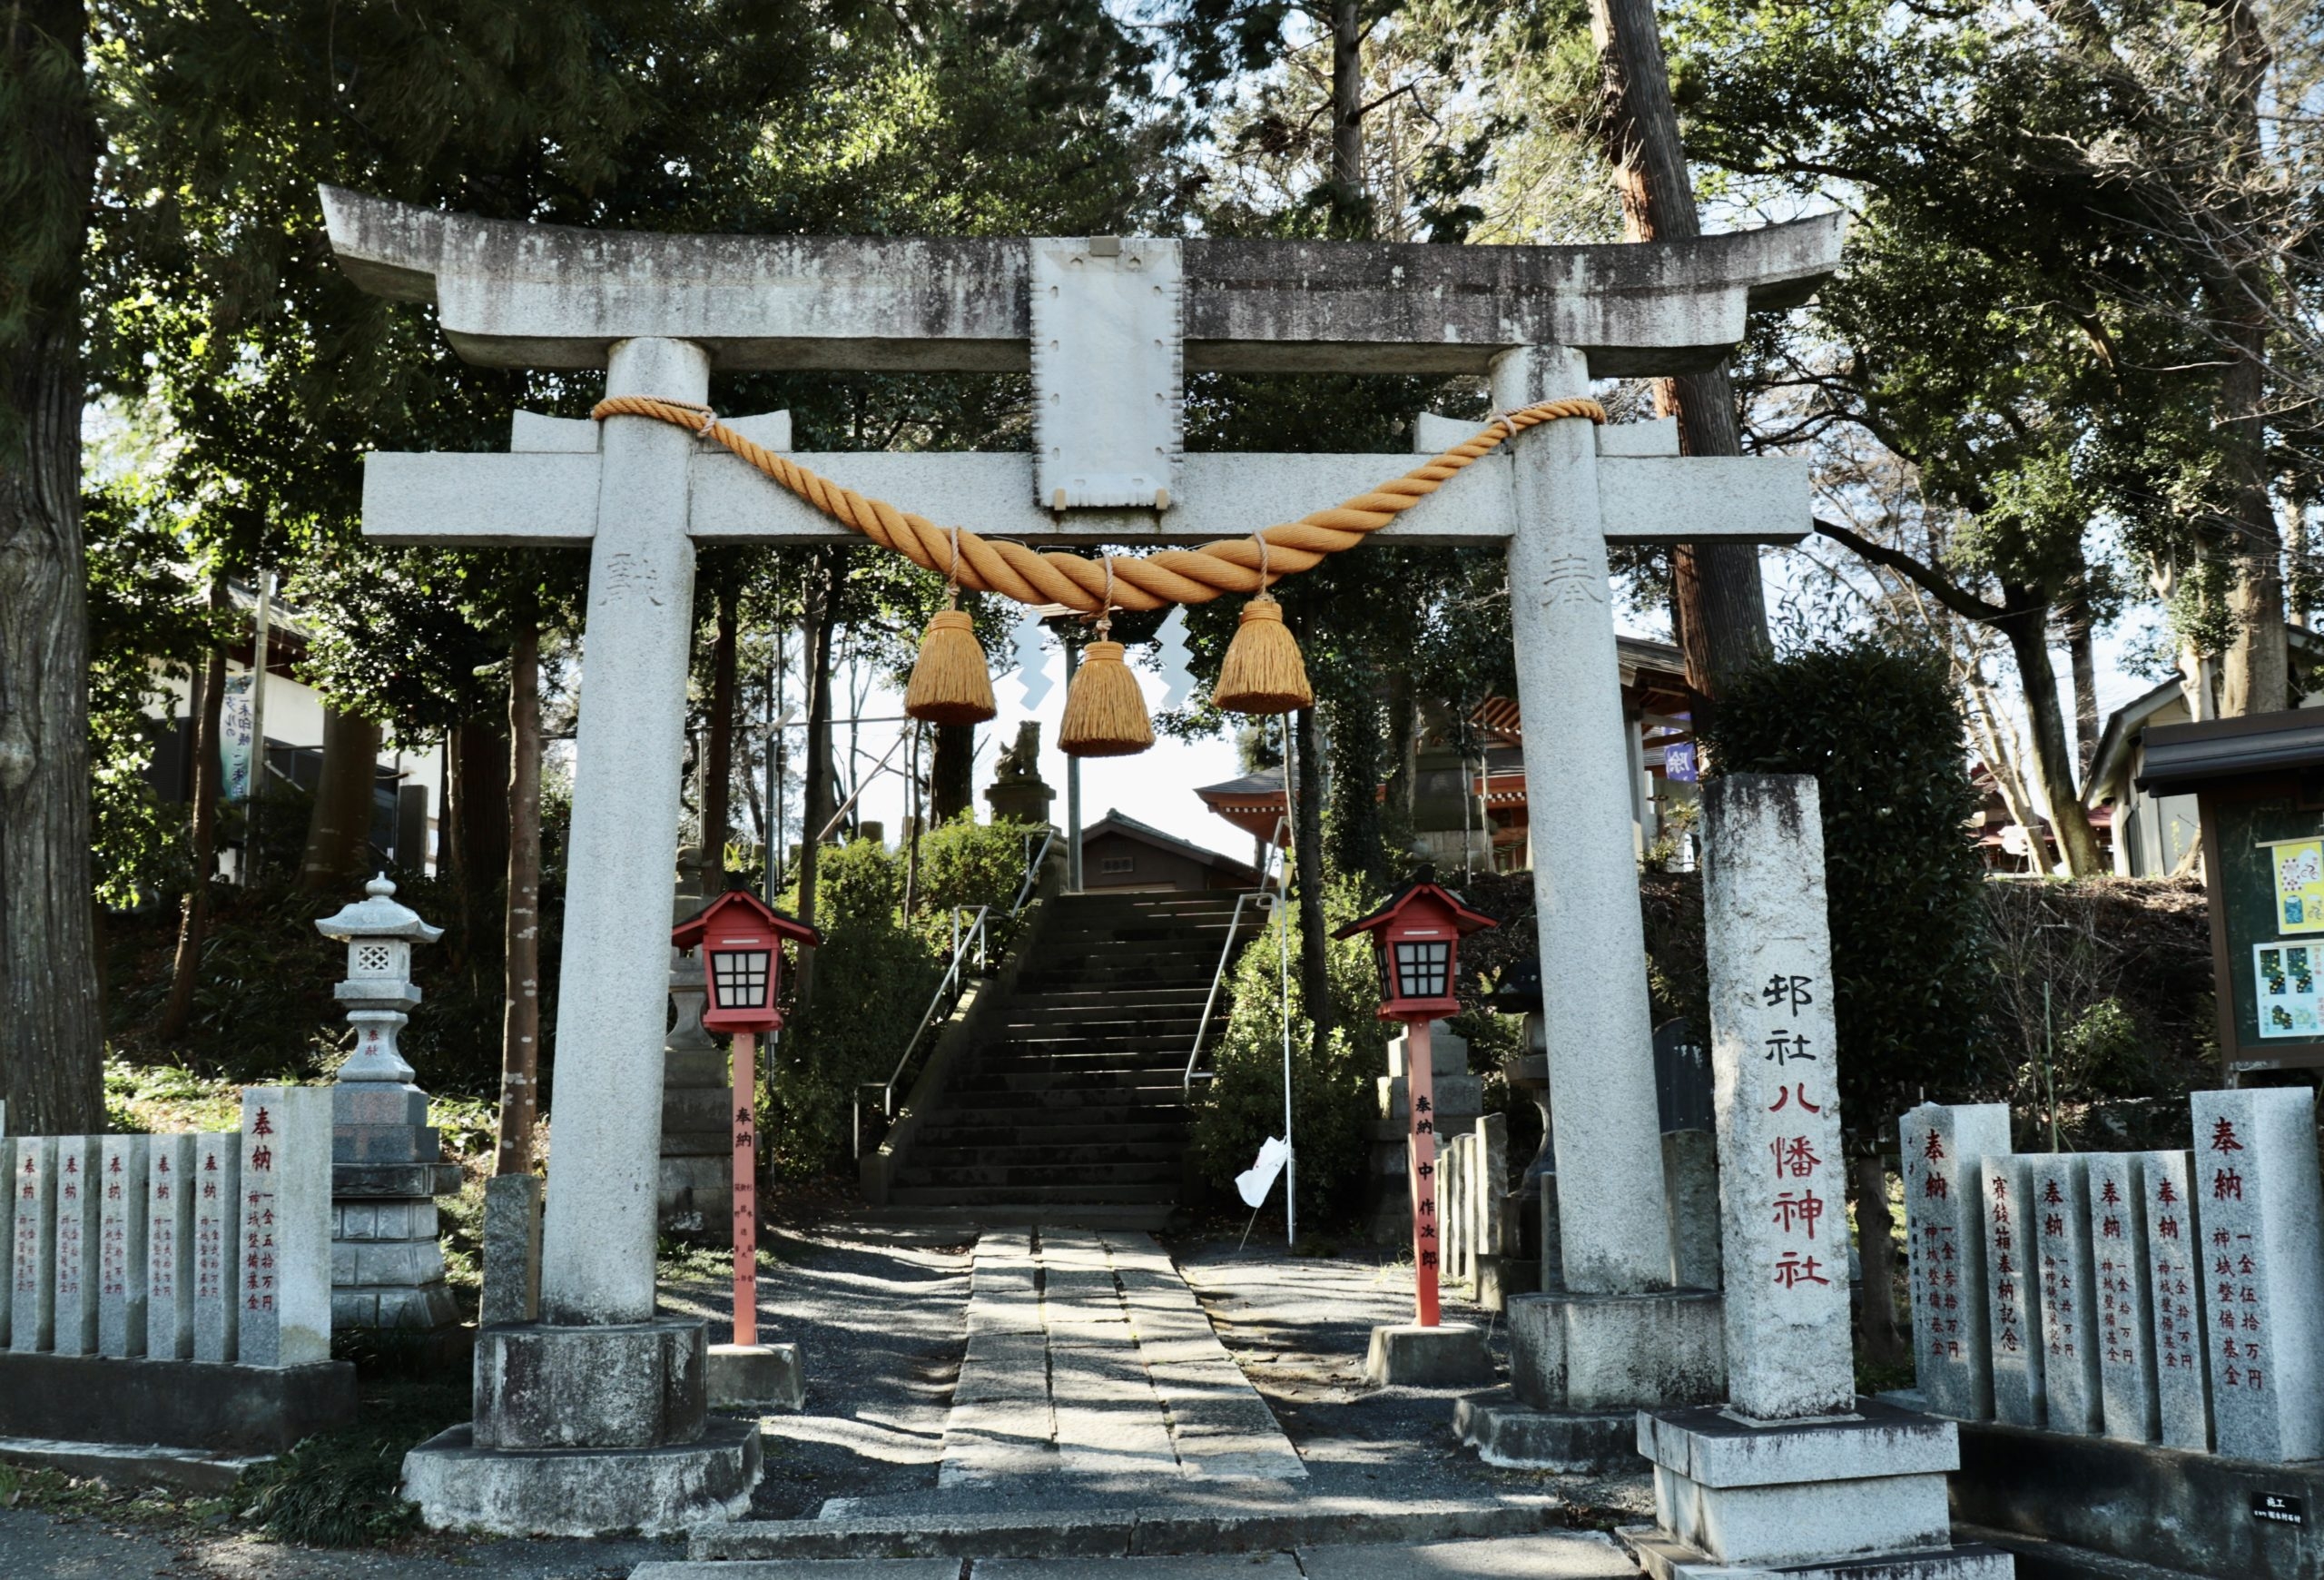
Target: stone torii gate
{"points": [[1108, 327]]}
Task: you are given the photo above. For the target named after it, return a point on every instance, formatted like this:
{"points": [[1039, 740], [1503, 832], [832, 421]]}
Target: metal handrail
{"points": [[1267, 900], [1032, 872], [951, 982]]}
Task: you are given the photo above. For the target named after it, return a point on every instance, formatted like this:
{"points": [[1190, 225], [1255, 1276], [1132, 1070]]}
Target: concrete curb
{"points": [[1119, 1532]]}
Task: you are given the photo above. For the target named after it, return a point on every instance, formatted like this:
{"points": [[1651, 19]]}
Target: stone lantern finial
{"points": [[378, 992]]}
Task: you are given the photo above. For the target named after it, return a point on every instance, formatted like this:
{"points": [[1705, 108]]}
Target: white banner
{"points": [[234, 740], [1254, 1182]]}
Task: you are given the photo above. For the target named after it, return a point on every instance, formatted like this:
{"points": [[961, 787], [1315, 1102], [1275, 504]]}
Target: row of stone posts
{"points": [[2171, 1297]]}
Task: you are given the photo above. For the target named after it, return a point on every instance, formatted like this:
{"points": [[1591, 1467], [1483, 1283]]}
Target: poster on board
{"points": [[2297, 865], [2284, 975]]}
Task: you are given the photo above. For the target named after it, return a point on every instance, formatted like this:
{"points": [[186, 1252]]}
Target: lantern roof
{"points": [[377, 915], [689, 932], [1423, 900]]}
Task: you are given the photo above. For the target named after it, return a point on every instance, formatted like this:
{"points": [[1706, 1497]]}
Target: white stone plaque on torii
{"points": [[1107, 328]]}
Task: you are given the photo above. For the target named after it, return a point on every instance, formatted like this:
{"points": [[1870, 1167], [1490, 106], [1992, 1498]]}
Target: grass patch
{"points": [[342, 1489]]}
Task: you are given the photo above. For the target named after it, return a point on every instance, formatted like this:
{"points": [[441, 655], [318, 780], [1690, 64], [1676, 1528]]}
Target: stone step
{"points": [[1131, 1525], [1019, 1153], [1021, 1060], [1063, 1057], [1156, 1079], [1087, 1105], [1034, 1195], [955, 1134], [1022, 1175]]}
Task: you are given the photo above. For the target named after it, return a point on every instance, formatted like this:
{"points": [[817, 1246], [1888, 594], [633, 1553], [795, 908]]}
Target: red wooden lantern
{"points": [[1417, 943], [1416, 946], [741, 939]]}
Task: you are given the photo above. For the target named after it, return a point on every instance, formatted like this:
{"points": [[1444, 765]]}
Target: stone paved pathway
{"points": [[1087, 1355]]}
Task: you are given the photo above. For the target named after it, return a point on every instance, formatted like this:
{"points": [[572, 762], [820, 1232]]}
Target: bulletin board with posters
{"points": [[2258, 781], [2263, 855]]}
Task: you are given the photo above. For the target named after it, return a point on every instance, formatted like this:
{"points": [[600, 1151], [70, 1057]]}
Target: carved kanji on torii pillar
{"points": [[1107, 328]]}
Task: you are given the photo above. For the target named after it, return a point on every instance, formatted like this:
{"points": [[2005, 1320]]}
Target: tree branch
{"points": [[1959, 599]]}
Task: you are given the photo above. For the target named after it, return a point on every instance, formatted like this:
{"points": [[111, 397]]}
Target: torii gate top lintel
{"points": [[517, 294]]}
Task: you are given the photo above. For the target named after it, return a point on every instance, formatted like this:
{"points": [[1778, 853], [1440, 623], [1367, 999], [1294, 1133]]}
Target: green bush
{"points": [[1880, 730], [1334, 1098], [874, 977], [966, 863]]}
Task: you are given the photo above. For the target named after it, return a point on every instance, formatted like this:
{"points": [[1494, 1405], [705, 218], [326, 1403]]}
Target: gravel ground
{"points": [[1299, 1326], [35, 1545], [877, 1315]]}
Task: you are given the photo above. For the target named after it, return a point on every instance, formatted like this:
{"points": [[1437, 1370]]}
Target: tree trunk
{"points": [[520, 941], [2027, 632], [1348, 116], [2258, 675], [718, 757], [817, 804], [952, 772], [1722, 604], [1403, 761], [1354, 782], [1877, 1330], [339, 830], [193, 914], [1307, 835], [2084, 664], [51, 1039], [484, 803]]}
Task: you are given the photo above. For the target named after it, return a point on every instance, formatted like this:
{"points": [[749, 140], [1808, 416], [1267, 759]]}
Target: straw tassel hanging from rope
{"points": [[1262, 672], [949, 683], [1104, 712]]}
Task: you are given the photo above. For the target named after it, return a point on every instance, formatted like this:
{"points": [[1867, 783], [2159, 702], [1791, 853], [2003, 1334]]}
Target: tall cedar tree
{"points": [[50, 1037]]}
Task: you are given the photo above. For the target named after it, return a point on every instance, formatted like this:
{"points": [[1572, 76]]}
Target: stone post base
{"points": [[583, 1492], [756, 1376], [1854, 1497], [1452, 1355], [1591, 1353], [1521, 1438], [586, 1431]]}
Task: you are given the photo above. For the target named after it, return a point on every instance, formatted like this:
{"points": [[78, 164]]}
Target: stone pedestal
{"points": [[1812, 1499], [388, 1167], [693, 1193], [580, 1431], [1583, 1365]]}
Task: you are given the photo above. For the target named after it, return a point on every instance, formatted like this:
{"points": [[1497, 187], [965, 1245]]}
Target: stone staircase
{"points": [[1073, 1111]]}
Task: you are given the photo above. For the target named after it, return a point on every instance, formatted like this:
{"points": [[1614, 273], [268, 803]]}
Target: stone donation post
{"points": [[1941, 1147], [1796, 1470], [2258, 1204]]}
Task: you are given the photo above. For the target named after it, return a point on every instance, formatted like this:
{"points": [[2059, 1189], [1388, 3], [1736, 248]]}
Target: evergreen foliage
{"points": [[1879, 729], [1334, 1096]]}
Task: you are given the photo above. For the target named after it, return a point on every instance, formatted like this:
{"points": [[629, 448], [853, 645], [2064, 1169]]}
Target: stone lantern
{"points": [[377, 993], [388, 1165]]}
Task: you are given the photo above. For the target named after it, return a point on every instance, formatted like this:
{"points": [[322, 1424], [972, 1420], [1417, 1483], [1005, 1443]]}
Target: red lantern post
{"points": [[1417, 940], [740, 938]]}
